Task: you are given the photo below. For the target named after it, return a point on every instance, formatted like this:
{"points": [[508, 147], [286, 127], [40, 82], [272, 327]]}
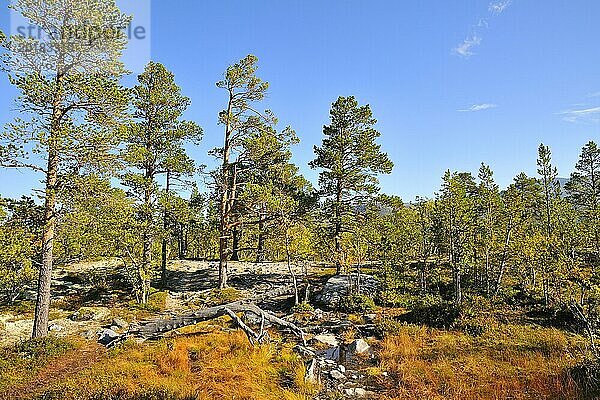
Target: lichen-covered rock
{"points": [[327, 339], [90, 313], [119, 323], [337, 287]]}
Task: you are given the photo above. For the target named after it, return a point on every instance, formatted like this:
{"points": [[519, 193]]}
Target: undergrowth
{"points": [[19, 363], [210, 365], [507, 362]]}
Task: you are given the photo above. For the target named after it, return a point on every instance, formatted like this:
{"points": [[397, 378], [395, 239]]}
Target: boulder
{"points": [[359, 346], [356, 392], [107, 336], [252, 319], [119, 323], [337, 287], [54, 327], [327, 339], [90, 313]]}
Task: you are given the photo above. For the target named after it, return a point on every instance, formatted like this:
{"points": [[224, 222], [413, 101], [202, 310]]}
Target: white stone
{"points": [[359, 346], [335, 374], [327, 339]]}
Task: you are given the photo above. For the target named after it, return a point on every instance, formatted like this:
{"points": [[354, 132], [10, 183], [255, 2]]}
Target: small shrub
{"points": [[441, 315], [388, 326], [223, 296], [392, 298], [303, 308], [157, 302], [587, 376], [357, 303], [43, 347]]}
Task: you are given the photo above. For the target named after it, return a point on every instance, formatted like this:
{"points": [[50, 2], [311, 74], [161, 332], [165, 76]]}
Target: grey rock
{"points": [[107, 336], [54, 327], [251, 318], [327, 339], [356, 392], [335, 374], [119, 323], [338, 286]]}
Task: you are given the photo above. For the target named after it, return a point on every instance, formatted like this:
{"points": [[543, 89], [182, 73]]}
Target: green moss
{"points": [[223, 296]]}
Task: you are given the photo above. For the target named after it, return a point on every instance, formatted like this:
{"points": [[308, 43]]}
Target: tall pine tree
{"points": [[350, 160]]}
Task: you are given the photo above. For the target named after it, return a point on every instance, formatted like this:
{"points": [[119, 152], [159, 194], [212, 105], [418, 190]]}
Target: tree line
{"points": [[118, 182]]}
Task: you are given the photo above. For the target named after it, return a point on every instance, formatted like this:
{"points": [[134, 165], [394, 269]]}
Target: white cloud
{"points": [[479, 107], [483, 23], [583, 115], [595, 94], [465, 48], [498, 7], [495, 8]]}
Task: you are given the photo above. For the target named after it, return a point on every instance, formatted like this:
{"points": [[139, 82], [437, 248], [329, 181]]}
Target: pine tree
{"points": [[69, 97], [584, 190], [551, 195], [350, 161], [242, 122], [154, 146], [488, 203], [457, 213]]}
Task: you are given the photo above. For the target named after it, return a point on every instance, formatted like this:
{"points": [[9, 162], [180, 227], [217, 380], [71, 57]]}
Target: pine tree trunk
{"points": [[260, 247], [222, 263], [288, 257], [338, 228], [457, 285], [42, 307], [164, 246], [228, 190], [235, 254], [338, 248], [147, 238]]}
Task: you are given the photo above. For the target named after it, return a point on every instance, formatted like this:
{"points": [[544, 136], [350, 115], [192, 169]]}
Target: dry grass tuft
{"points": [[511, 362], [213, 365]]}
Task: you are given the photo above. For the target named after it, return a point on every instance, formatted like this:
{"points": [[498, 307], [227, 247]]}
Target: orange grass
{"points": [[214, 365], [509, 362]]}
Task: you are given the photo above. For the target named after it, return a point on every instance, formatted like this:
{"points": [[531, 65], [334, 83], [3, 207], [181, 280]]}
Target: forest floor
{"points": [[214, 360]]}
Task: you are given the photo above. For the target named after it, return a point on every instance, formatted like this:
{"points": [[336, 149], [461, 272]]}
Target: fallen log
{"points": [[156, 328]]}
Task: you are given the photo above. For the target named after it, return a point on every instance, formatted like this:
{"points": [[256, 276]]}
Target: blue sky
{"points": [[451, 83]]}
